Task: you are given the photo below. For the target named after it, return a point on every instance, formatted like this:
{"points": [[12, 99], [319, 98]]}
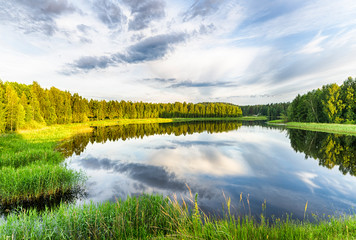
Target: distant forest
{"points": [[272, 111], [330, 104], [23, 106]]}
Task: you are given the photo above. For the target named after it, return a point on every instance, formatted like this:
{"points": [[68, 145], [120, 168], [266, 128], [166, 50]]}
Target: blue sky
{"points": [[244, 52]]}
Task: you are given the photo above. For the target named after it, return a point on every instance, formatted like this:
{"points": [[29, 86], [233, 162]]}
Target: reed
{"points": [[33, 181], [148, 217], [31, 169]]}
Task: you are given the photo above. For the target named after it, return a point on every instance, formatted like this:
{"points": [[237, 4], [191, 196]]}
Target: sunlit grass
{"points": [[349, 129], [278, 121], [35, 181], [253, 118], [30, 167], [148, 217]]}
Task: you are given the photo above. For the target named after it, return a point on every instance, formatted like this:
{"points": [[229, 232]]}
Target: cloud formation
{"points": [[149, 49], [143, 12], [202, 8], [190, 84], [148, 175], [35, 15], [198, 50], [110, 13]]}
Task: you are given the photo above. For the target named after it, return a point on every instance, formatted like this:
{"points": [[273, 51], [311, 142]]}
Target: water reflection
{"points": [[43, 202], [330, 149], [124, 132], [256, 161]]}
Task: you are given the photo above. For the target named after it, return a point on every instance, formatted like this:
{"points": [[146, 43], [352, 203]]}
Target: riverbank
{"points": [[150, 216], [276, 122], [349, 129]]}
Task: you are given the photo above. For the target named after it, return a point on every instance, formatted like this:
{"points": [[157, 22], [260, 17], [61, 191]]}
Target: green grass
{"points": [[242, 118], [148, 217], [349, 129], [278, 121], [253, 118], [205, 119], [31, 168], [35, 181]]}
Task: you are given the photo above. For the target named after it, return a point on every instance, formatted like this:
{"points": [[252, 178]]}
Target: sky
{"points": [[242, 52]]}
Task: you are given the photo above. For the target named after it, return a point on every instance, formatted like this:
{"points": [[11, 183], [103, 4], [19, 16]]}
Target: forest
{"points": [[330, 104], [272, 111], [27, 106]]}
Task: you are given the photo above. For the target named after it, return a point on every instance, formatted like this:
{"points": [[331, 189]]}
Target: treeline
{"points": [[272, 111], [27, 105], [330, 104], [78, 143]]}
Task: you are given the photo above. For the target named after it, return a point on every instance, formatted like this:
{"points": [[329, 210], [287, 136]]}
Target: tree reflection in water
{"points": [[329, 149], [113, 133]]}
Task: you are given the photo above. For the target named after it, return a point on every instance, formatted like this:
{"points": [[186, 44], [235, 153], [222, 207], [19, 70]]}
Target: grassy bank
{"points": [[253, 118], [278, 121], [149, 217], [243, 118], [349, 129], [31, 169]]}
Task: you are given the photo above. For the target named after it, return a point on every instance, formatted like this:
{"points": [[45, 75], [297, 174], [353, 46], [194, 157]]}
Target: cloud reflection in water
{"points": [[253, 160]]}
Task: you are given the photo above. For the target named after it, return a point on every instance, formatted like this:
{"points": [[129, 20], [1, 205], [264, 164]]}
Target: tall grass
{"points": [[28, 157], [148, 217], [34, 181], [31, 169]]}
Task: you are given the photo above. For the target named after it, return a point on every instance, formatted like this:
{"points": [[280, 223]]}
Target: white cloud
{"points": [[201, 161], [307, 178], [314, 45]]}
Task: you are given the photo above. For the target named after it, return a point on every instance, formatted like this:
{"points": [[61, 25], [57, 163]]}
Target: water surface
{"points": [[285, 168]]}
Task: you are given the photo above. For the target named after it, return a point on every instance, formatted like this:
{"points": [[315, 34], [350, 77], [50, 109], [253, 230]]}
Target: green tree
{"points": [[36, 109], [348, 91], [332, 103], [67, 108], [2, 109], [11, 109], [21, 114], [27, 108]]}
